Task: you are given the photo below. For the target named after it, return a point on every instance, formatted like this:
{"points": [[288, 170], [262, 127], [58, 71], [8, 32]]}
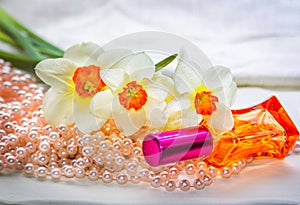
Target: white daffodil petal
{"points": [[84, 53], [216, 77], [113, 78], [83, 119], [134, 63], [221, 119], [156, 117], [101, 106], [108, 58], [182, 102], [57, 73], [155, 91], [190, 118], [227, 93], [143, 73], [129, 121], [58, 107], [187, 78], [182, 118], [166, 82]]}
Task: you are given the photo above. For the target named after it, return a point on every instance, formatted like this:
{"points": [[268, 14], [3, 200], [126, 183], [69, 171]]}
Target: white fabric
{"points": [[258, 40]]}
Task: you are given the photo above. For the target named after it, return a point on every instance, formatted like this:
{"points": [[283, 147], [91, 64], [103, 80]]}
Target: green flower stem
{"points": [[19, 60], [6, 39], [21, 27], [20, 38]]}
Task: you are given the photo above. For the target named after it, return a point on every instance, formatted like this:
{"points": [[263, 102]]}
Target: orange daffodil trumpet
{"points": [[90, 85]]}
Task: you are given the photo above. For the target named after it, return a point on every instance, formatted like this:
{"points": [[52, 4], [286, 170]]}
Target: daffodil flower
{"points": [[74, 80], [137, 100], [204, 95]]}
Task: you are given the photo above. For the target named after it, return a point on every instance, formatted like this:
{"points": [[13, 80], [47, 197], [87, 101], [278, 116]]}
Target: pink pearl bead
{"points": [[137, 152], [29, 169], [170, 185], [225, 172], [184, 185], [202, 165], [200, 173], [107, 177], [135, 179], [56, 174], [53, 136], [87, 151], [69, 171], [199, 184], [88, 161], [41, 173], [44, 147], [43, 159], [242, 163], [30, 147], [80, 163], [21, 152], [212, 171], [190, 169], [11, 161], [173, 173], [80, 173], [122, 178], [93, 175], [71, 149], [156, 182], [164, 175], [207, 179], [235, 168]]}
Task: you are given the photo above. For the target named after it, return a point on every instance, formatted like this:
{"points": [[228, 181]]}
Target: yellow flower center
{"points": [[88, 81], [204, 101], [133, 96]]}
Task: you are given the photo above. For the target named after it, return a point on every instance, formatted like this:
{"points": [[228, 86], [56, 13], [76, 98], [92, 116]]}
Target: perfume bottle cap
{"points": [[176, 145]]}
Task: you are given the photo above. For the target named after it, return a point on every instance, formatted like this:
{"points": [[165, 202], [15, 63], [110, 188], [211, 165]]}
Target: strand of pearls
{"points": [[29, 144]]}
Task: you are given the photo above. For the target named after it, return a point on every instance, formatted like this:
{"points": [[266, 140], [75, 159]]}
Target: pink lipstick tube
{"points": [[176, 145]]}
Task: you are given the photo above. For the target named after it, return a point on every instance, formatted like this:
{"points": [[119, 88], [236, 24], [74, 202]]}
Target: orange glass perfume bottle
{"points": [[261, 130]]}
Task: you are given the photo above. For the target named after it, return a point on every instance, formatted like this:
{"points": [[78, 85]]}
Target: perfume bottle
{"points": [[261, 130]]}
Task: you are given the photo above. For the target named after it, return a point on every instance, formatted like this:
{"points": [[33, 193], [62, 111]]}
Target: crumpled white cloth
{"points": [[258, 40]]}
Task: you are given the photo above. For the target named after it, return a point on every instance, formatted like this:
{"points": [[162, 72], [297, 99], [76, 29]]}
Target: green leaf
{"points": [[20, 61], [165, 62]]}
